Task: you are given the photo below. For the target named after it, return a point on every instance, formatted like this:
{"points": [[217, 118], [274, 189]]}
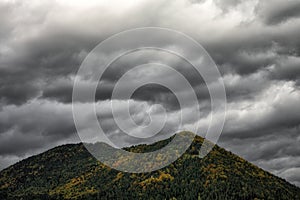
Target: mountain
{"points": [[70, 172]]}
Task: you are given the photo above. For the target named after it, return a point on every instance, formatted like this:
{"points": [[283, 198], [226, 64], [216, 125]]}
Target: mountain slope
{"points": [[70, 172]]}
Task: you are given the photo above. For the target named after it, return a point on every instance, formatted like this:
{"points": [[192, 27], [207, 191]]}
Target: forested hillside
{"points": [[70, 172]]}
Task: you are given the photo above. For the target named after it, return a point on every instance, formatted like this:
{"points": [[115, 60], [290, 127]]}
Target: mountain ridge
{"points": [[70, 172]]}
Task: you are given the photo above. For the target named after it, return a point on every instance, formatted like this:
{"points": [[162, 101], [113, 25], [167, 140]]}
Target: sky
{"points": [[254, 43]]}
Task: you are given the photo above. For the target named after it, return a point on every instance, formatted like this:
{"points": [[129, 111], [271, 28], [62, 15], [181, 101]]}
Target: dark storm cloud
{"points": [[277, 11], [245, 87], [15, 93], [273, 146], [151, 92], [157, 94], [54, 53], [287, 68], [23, 76], [277, 152], [33, 125], [61, 89], [252, 48], [227, 5], [36, 49], [273, 109]]}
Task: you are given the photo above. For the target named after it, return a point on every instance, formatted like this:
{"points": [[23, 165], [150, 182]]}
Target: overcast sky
{"points": [[255, 44]]}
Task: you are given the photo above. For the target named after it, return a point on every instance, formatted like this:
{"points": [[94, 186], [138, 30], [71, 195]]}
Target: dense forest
{"points": [[70, 172]]}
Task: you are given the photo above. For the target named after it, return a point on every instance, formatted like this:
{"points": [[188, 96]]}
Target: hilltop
{"points": [[70, 172]]}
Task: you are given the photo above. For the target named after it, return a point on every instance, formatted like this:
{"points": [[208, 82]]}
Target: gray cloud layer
{"points": [[254, 43]]}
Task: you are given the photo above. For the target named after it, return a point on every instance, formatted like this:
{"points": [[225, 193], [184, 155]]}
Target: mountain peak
{"points": [[70, 172]]}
